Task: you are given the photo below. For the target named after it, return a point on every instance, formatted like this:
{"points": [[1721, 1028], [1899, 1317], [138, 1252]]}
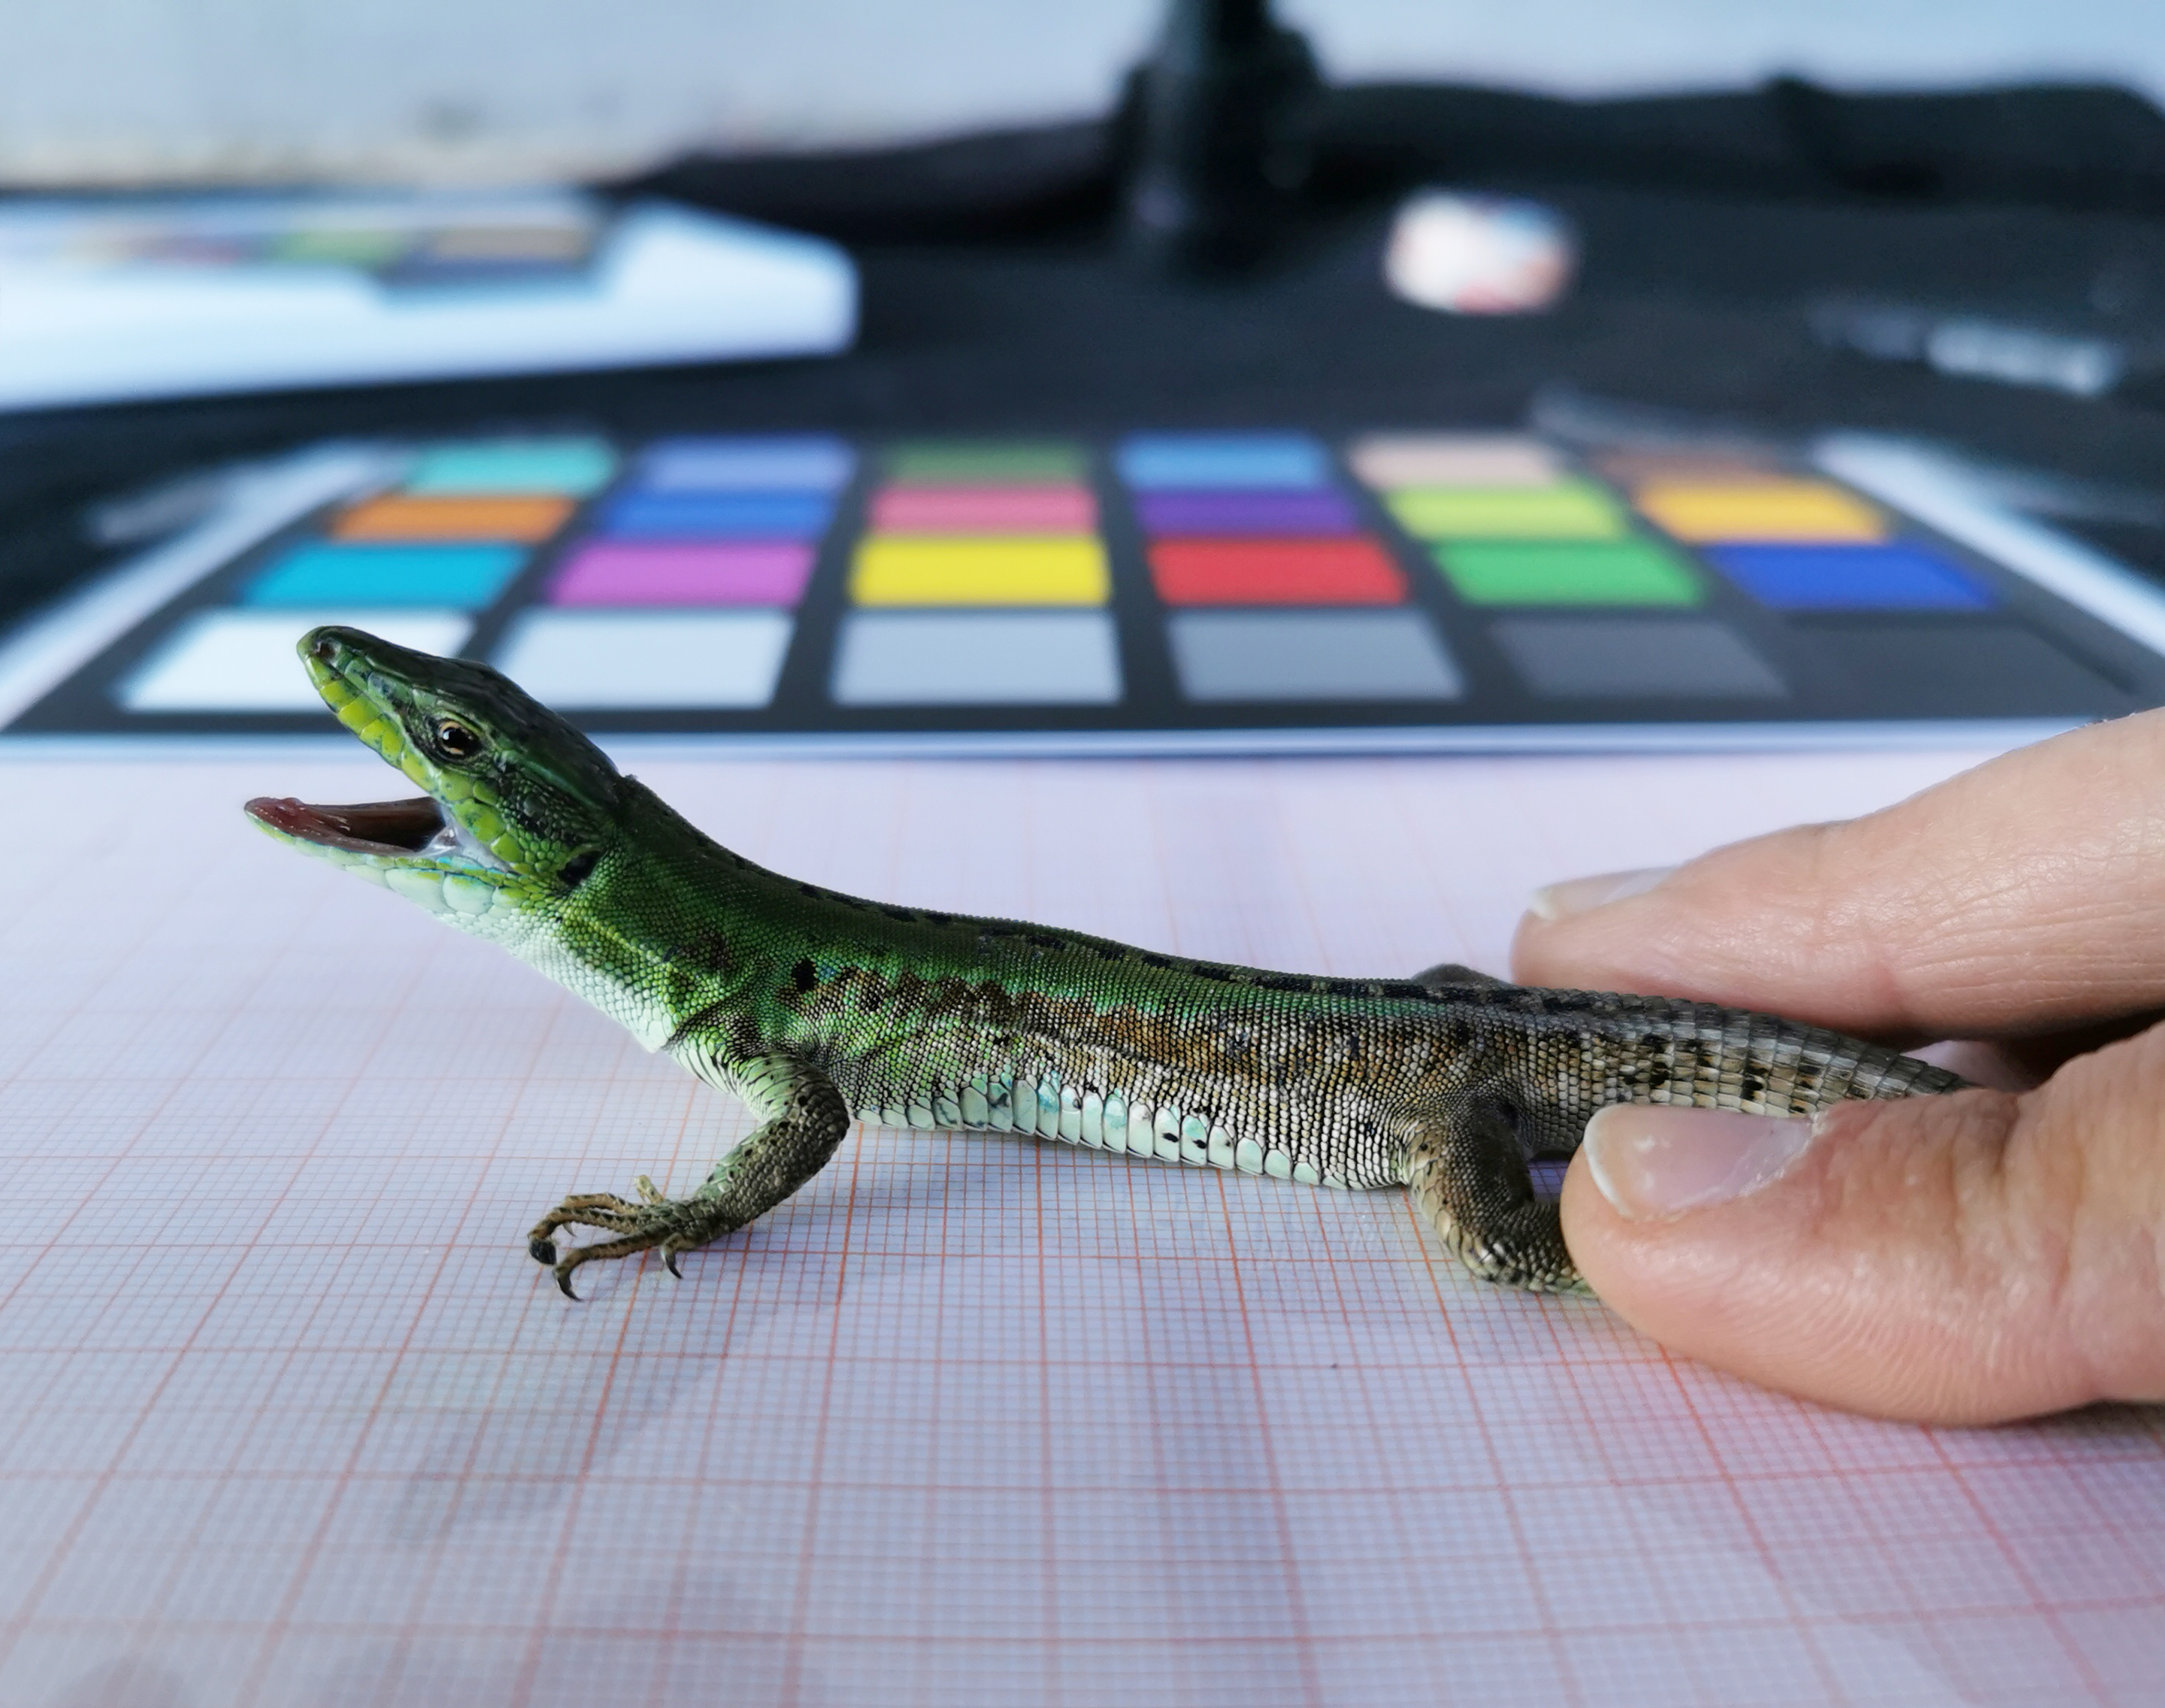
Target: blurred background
{"points": [[1933, 217], [127, 91]]}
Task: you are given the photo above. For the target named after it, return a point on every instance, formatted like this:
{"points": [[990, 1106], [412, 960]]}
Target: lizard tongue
{"points": [[375, 827]]}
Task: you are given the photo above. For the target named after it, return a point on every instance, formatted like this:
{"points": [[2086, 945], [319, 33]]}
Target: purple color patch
{"points": [[1236, 513], [737, 572]]}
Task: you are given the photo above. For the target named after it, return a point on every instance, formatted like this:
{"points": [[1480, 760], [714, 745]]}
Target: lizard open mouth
{"points": [[393, 828]]}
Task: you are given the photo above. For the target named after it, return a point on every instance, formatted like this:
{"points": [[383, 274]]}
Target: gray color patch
{"points": [[925, 658], [1333, 654], [1635, 658]]}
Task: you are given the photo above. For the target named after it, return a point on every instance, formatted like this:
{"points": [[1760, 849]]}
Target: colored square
{"points": [[1977, 669], [1592, 573], [912, 570], [646, 661], [722, 515], [397, 516], [1388, 459], [925, 658], [1634, 658], [1222, 656], [1275, 573], [796, 463], [1850, 578], [1256, 512], [1639, 467], [321, 573], [1568, 510], [749, 572], [1155, 461], [986, 462], [572, 467], [244, 661], [986, 510], [1772, 509]]}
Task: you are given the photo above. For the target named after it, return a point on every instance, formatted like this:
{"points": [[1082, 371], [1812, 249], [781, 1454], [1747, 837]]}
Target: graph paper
{"points": [[288, 1420]]}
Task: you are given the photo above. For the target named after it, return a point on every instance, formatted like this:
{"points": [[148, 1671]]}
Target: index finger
{"points": [[2024, 895]]}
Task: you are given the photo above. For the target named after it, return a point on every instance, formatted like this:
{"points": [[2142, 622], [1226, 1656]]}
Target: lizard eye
{"points": [[579, 867], [455, 740]]}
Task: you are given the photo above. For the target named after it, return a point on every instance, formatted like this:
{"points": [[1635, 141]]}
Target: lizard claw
{"points": [[675, 1227]]}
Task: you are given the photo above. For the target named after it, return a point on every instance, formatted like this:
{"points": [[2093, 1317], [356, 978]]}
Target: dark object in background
{"points": [[2066, 146], [1221, 124], [2084, 352]]}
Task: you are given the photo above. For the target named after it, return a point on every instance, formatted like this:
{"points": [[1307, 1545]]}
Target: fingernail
{"points": [[1652, 1161], [1578, 895]]}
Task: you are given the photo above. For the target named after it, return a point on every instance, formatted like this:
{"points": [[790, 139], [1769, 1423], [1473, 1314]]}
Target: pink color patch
{"points": [[740, 572], [1057, 509]]}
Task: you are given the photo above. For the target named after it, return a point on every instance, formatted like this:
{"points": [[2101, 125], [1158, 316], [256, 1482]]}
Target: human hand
{"points": [[1991, 1254]]}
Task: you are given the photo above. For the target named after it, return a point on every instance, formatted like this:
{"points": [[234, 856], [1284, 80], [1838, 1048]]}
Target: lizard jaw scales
{"points": [[377, 827]]}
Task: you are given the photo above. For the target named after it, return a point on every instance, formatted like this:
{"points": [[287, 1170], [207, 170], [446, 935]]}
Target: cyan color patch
{"points": [[572, 467], [1158, 462], [711, 515], [1851, 579], [336, 573]]}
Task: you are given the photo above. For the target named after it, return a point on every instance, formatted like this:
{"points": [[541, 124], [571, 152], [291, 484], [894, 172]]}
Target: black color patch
{"points": [[804, 975]]}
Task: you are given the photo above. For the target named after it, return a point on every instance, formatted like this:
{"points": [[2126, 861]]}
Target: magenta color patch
{"points": [[1061, 509], [735, 572]]}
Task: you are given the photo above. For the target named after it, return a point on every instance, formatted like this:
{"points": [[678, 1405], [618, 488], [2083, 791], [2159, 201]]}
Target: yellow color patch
{"points": [[1766, 510], [917, 570]]}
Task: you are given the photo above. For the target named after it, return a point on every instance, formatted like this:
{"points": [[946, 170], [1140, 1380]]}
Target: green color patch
{"points": [[998, 462], [1568, 510], [1592, 573]]}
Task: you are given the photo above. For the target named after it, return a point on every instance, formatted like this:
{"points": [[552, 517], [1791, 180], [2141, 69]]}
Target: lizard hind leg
{"points": [[1466, 1166]]}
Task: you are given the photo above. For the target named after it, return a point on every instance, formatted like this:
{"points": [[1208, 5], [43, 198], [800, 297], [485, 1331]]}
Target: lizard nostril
{"points": [[325, 648]]}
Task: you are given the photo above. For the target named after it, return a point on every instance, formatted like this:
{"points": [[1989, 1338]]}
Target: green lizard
{"points": [[812, 1005]]}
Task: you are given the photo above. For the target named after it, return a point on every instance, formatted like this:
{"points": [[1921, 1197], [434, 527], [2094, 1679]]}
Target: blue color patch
{"points": [[798, 463], [1893, 577], [572, 467], [1156, 461], [647, 515], [327, 572]]}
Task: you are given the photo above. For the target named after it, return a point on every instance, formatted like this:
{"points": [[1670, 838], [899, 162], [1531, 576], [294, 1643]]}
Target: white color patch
{"points": [[244, 661]]}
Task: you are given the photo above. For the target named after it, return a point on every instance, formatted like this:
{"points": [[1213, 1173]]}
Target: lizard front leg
{"points": [[1466, 1168], [805, 1120]]}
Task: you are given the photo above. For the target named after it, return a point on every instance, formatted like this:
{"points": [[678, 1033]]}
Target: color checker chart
{"points": [[1147, 591]]}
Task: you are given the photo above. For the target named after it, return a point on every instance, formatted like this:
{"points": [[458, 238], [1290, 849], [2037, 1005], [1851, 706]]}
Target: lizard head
{"points": [[518, 809]]}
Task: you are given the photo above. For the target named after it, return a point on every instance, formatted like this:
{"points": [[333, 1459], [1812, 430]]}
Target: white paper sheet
{"points": [[287, 1417]]}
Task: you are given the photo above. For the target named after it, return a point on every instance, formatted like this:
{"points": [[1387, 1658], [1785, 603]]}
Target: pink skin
{"points": [[1991, 1255]]}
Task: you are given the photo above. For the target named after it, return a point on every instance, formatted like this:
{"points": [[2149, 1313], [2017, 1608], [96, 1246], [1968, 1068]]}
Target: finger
{"points": [[1957, 1259], [2020, 897]]}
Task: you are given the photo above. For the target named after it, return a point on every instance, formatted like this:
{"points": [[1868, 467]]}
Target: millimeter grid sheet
{"points": [[286, 1416]]}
